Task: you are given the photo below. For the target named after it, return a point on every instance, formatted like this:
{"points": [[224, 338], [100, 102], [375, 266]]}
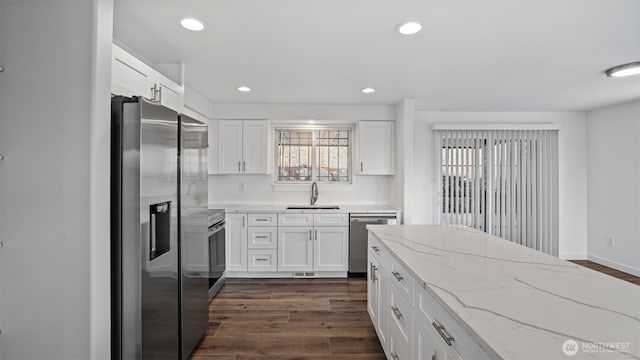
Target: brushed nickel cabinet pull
{"points": [[396, 312], [397, 275], [443, 332]]}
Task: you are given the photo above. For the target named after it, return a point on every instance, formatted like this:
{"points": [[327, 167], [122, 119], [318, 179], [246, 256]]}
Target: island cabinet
{"points": [[410, 323]]}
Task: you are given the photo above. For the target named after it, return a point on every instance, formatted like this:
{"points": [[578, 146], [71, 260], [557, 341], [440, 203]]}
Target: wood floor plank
{"points": [[244, 294], [248, 315], [300, 295], [273, 345], [342, 304], [355, 345], [329, 316], [269, 304]]}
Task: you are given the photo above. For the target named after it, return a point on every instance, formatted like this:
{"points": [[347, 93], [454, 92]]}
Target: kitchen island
{"points": [[450, 292]]}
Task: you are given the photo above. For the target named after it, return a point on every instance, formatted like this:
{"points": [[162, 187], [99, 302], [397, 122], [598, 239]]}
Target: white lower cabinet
{"points": [[331, 248], [410, 323], [312, 248], [295, 248], [236, 242]]}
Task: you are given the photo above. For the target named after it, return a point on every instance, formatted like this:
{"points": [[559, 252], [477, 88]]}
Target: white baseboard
{"points": [[573, 256], [284, 274], [614, 264]]}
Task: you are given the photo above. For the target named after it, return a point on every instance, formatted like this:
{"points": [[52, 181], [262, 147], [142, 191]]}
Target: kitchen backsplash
{"points": [[259, 189]]}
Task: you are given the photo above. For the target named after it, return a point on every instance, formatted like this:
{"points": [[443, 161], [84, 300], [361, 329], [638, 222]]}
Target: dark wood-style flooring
{"points": [[609, 271], [287, 319]]}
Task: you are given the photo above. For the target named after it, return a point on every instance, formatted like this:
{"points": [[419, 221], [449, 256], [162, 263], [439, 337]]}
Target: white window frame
{"points": [[314, 167]]}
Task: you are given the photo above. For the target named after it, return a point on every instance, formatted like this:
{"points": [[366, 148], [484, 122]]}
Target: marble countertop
{"points": [[268, 208], [520, 302]]}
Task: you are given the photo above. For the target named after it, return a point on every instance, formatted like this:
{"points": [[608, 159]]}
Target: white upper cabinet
{"points": [[132, 77], [375, 148], [255, 134], [243, 147]]}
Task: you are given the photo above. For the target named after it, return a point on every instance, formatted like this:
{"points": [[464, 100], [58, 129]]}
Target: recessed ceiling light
{"points": [[192, 24], [368, 90], [311, 121], [244, 88], [409, 27], [624, 70]]}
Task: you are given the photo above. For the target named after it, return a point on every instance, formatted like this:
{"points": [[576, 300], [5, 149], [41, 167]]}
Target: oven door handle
{"points": [[213, 230]]}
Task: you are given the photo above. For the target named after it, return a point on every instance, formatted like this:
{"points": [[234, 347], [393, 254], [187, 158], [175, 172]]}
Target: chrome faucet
{"points": [[314, 193]]}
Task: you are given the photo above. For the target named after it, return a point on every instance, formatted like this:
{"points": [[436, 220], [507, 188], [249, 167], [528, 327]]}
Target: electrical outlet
{"points": [[611, 241]]}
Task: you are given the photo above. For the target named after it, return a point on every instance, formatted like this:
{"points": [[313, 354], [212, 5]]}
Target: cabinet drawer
{"points": [[295, 219], [263, 219], [263, 237], [402, 280], [331, 220], [263, 260], [426, 308], [379, 250], [400, 315]]}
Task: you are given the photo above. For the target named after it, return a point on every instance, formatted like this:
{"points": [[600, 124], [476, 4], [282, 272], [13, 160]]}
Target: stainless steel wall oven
{"points": [[216, 251]]}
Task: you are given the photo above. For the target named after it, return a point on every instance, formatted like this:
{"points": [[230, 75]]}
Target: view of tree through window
{"points": [[313, 155]]}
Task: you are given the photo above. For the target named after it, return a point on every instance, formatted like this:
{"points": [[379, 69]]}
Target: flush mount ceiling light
{"points": [[409, 27], [624, 70], [368, 90], [244, 88], [192, 24]]}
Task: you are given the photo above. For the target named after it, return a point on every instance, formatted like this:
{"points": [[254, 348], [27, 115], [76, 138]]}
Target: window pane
{"points": [[333, 155], [294, 155]]}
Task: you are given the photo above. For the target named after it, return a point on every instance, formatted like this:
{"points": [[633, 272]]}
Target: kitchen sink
{"points": [[309, 207]]}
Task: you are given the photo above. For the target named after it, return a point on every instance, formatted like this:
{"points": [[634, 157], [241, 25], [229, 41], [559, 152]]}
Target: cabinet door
{"points": [[255, 150], [383, 303], [230, 147], [129, 76], [236, 242], [212, 157], [372, 289], [295, 248], [169, 94], [375, 150], [331, 248]]}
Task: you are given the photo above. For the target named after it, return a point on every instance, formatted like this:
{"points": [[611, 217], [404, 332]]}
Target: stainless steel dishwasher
{"points": [[358, 238]]}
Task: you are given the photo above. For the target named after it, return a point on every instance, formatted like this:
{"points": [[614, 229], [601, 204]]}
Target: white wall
{"points": [[614, 186], [572, 168], [48, 117]]}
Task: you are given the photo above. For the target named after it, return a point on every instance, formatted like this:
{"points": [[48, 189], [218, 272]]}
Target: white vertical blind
{"points": [[504, 182]]}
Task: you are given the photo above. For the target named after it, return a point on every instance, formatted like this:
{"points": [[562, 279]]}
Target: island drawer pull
{"points": [[262, 259], [397, 275], [375, 248], [373, 272], [261, 219], [396, 312], [394, 356], [262, 237], [443, 332]]}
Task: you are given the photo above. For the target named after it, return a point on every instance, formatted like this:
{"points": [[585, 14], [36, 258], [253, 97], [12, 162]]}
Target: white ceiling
{"points": [[502, 55]]}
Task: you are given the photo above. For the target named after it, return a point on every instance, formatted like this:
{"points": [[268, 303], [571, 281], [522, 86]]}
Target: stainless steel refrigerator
{"points": [[158, 217]]}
